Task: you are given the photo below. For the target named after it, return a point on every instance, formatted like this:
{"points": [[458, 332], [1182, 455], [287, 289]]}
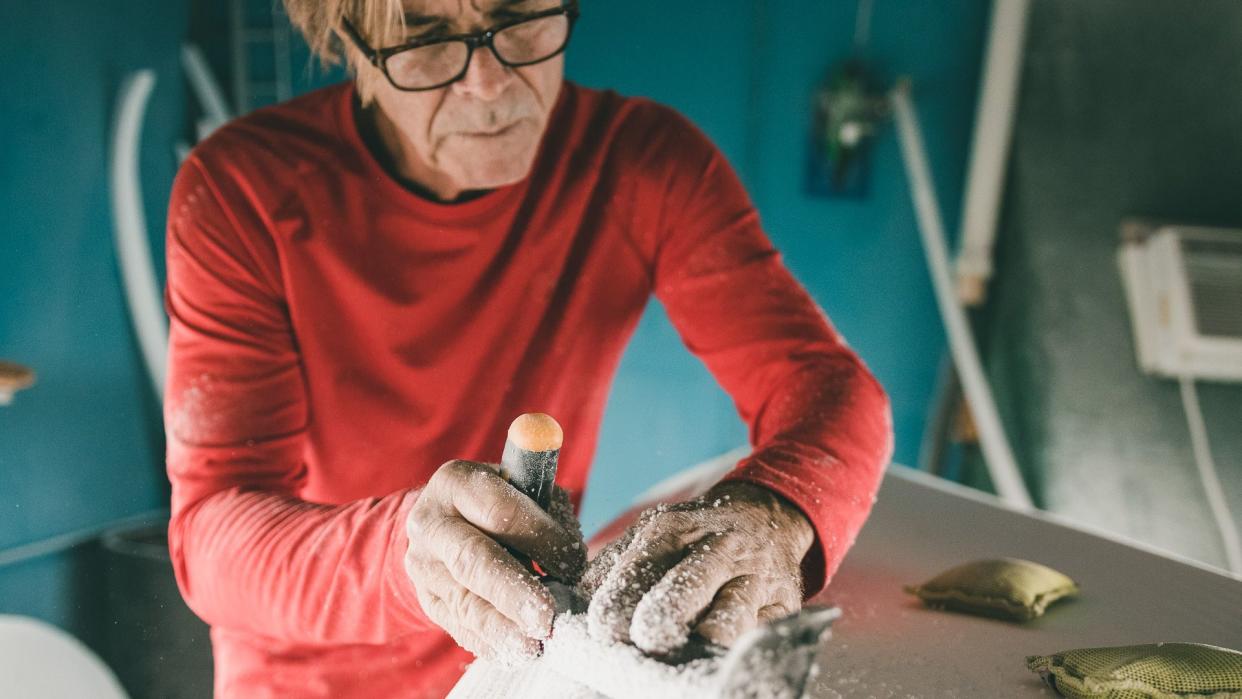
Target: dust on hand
{"points": [[710, 568]]}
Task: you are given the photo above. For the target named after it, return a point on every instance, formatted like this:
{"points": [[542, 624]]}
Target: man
{"points": [[368, 283]]}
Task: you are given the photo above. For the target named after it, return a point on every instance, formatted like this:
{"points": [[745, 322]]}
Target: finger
{"points": [[474, 612], [471, 615], [486, 569], [771, 612], [438, 611], [734, 611], [561, 510], [605, 561], [663, 617], [492, 504], [786, 600], [639, 567], [481, 630], [475, 615]]}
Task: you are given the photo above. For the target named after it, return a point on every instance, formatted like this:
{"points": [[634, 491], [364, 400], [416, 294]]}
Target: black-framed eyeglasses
{"points": [[429, 64]]}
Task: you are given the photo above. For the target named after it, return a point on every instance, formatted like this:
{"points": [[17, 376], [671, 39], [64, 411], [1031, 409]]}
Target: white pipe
{"points": [[205, 87], [133, 248], [1000, 460], [1207, 473], [989, 154]]}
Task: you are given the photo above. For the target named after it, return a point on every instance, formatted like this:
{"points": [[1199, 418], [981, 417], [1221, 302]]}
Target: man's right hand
{"points": [[466, 581]]}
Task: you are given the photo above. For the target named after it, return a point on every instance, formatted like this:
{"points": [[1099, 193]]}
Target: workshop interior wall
{"points": [[745, 73], [85, 445], [1127, 108]]}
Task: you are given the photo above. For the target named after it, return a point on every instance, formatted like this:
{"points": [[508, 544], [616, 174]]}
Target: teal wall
{"points": [[84, 446], [745, 73]]}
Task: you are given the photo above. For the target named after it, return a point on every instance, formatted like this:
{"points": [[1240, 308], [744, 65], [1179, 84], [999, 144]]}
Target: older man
{"points": [[368, 283]]}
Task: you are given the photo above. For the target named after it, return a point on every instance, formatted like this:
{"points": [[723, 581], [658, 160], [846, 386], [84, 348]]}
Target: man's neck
{"points": [[381, 137]]}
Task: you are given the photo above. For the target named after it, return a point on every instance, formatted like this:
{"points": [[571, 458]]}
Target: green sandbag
{"points": [[1006, 588], [1161, 670]]}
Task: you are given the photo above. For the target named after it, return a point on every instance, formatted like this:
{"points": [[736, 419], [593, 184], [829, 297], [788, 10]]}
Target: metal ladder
{"points": [[260, 32]]}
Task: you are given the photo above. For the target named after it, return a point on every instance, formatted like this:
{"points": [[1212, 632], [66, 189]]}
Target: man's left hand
{"points": [[715, 566]]}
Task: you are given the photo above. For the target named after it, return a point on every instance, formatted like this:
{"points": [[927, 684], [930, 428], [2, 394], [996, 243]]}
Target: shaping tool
{"points": [[777, 658], [530, 455]]}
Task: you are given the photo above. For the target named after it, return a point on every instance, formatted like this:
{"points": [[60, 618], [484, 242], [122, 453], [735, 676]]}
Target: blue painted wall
{"points": [[84, 445], [665, 411], [745, 73]]}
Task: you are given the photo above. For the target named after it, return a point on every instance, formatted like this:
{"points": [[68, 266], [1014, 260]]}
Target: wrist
{"points": [[782, 514]]}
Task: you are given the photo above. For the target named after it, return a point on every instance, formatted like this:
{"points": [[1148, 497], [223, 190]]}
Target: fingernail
{"points": [[533, 615]]}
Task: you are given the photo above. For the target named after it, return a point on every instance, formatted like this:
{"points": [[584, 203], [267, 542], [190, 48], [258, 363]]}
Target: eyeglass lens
{"points": [[528, 42]]}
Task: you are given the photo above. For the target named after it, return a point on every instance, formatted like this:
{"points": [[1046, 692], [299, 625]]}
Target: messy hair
{"points": [[381, 23]]}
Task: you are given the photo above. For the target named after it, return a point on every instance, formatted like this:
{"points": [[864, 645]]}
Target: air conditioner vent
{"points": [[1184, 288], [1214, 273]]}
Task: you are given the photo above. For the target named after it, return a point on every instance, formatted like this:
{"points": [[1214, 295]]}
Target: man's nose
{"points": [[486, 77]]}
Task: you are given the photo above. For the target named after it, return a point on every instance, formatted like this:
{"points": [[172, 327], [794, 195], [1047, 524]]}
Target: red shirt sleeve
{"points": [[247, 553], [819, 422]]}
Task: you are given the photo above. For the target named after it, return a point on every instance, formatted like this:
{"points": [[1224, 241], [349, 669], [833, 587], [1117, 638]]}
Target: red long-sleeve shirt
{"points": [[335, 338]]}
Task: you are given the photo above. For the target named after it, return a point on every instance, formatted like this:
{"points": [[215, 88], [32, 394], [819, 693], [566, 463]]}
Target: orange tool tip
{"points": [[536, 432]]}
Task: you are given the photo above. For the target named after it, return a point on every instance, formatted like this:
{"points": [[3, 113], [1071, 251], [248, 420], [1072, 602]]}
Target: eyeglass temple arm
{"points": [[371, 54]]}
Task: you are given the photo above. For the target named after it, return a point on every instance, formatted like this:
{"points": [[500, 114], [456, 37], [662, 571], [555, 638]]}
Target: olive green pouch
{"points": [[1162, 670], [1006, 588]]}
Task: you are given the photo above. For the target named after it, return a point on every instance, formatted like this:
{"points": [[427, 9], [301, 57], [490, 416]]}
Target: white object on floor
{"points": [[40, 660]]}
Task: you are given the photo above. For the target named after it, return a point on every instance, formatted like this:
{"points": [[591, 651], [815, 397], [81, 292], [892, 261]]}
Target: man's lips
{"points": [[491, 134]]}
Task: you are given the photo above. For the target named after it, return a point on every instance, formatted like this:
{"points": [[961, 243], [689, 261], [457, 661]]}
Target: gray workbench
{"points": [[888, 645]]}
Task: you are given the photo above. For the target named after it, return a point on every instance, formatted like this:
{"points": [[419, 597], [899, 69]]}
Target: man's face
{"points": [[482, 131]]}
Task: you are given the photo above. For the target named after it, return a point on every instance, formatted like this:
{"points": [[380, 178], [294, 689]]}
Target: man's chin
{"points": [[488, 162], [490, 174]]}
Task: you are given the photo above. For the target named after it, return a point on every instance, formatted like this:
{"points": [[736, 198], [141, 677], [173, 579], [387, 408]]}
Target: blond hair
{"points": [[381, 23]]}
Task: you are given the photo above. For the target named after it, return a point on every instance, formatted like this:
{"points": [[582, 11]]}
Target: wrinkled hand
{"points": [[715, 566], [466, 581]]}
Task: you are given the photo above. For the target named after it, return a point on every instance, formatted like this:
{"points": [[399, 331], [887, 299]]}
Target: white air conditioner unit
{"points": [[1184, 288]]}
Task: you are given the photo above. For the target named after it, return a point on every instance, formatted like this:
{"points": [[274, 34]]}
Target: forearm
{"points": [[280, 567], [819, 422], [822, 441], [247, 554]]}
